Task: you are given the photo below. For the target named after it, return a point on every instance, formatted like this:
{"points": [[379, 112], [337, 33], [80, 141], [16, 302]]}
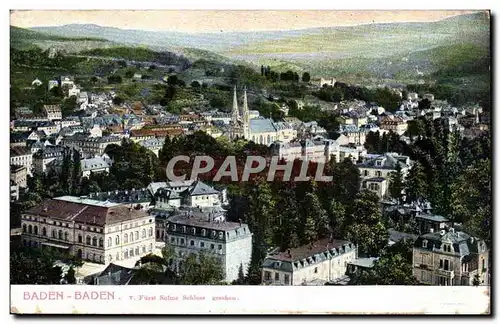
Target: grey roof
{"points": [[262, 126], [199, 188], [115, 275], [388, 161], [364, 262], [463, 243], [396, 236], [431, 217], [93, 164], [123, 196], [307, 255], [167, 193], [154, 186]]}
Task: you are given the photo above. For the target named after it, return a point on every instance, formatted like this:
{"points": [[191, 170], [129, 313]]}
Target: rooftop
{"points": [[364, 262], [306, 251], [74, 209]]}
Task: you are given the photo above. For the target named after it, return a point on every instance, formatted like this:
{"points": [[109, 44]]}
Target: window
{"points": [[316, 270], [80, 239], [220, 247], [143, 249], [117, 240], [379, 174], [125, 238], [191, 243], [424, 244], [287, 279], [117, 256], [110, 241], [277, 276], [131, 236], [446, 265], [60, 234], [131, 252], [365, 173], [182, 241], [203, 232], [94, 241], [150, 230], [101, 242], [66, 236], [202, 244], [35, 230], [44, 231], [150, 247], [172, 239], [422, 276], [137, 251], [441, 264], [143, 233], [88, 240], [125, 255], [483, 264], [24, 228], [136, 235], [212, 246], [267, 275]]}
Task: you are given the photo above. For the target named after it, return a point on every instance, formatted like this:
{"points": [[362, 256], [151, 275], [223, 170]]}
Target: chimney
{"points": [[431, 230]]}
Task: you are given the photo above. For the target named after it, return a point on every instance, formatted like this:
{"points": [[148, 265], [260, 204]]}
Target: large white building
{"points": [[376, 171], [99, 232], [319, 151], [316, 264], [192, 230], [190, 218], [259, 130]]}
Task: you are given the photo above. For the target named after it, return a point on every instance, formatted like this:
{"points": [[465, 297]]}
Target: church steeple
{"points": [[236, 112], [246, 116]]}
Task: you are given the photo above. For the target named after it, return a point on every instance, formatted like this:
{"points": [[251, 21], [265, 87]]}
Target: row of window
{"points": [[181, 241], [44, 220], [131, 237], [267, 277], [136, 224], [366, 173], [131, 253]]}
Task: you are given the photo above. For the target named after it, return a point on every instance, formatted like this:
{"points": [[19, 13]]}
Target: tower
{"points": [[246, 116], [235, 112]]}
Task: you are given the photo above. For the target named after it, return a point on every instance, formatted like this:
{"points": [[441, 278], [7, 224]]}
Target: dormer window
{"points": [[221, 235], [193, 230], [214, 234], [174, 227], [424, 244], [203, 232], [183, 229]]}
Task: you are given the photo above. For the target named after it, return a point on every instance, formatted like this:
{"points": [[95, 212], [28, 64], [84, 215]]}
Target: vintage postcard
{"points": [[255, 162]]}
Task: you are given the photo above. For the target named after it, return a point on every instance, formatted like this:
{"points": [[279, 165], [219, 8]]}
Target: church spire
{"points": [[245, 108], [236, 113]]}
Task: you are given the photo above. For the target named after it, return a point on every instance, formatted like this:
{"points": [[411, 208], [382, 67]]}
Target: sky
{"points": [[195, 21]]}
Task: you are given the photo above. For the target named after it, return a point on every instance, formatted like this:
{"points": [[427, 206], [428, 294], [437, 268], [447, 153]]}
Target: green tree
{"points": [[306, 77], [396, 183], [201, 269], [364, 226], [337, 214], [416, 184]]}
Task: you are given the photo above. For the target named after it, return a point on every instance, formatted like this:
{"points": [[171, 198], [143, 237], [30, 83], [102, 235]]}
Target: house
{"points": [[322, 261], [53, 112], [18, 174], [427, 221], [360, 264], [51, 84], [450, 258], [133, 197], [153, 144], [46, 155], [412, 96], [68, 81], [14, 191], [395, 124], [95, 231], [354, 134], [193, 230], [21, 156], [90, 145], [93, 165], [376, 171], [36, 83]]}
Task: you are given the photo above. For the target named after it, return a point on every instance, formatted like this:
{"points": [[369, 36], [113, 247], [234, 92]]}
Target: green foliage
{"points": [[306, 77], [396, 183]]}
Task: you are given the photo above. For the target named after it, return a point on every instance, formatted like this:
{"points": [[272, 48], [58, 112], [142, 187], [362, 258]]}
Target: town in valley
{"points": [[405, 139]]}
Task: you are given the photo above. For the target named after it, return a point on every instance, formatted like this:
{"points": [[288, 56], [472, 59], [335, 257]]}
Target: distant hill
{"points": [[25, 38]]}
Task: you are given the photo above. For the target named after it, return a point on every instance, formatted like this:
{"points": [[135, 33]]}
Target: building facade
{"points": [[450, 258], [321, 262], [94, 231]]}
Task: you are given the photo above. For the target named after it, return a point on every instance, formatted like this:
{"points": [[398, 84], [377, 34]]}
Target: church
{"points": [[259, 130]]}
